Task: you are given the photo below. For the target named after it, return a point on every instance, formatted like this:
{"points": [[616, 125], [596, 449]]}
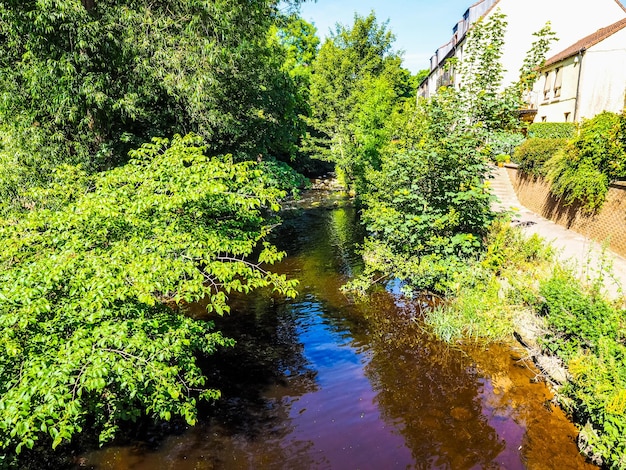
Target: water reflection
{"points": [[322, 382]]}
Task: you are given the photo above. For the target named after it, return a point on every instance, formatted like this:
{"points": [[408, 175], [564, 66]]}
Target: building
{"points": [[569, 19], [584, 79]]}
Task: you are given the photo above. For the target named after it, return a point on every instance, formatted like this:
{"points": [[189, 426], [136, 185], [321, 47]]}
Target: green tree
{"points": [[297, 41], [427, 208], [480, 78], [420, 76], [357, 79], [301, 43], [83, 82], [535, 58], [94, 282]]}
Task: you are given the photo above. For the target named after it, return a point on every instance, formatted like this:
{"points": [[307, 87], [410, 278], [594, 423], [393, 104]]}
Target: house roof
{"points": [[587, 42]]}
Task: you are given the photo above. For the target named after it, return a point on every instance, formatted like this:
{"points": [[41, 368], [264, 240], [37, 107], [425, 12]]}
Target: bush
{"points": [[597, 157], [587, 332], [87, 335], [602, 141], [577, 181], [552, 130], [280, 175], [533, 153], [503, 143]]}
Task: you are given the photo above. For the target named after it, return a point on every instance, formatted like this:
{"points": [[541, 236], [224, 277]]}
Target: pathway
{"points": [[584, 254]]}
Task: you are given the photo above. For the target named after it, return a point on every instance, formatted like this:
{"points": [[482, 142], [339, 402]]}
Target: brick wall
{"points": [[607, 225]]}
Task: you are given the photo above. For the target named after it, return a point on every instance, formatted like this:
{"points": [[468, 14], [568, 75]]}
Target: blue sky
{"points": [[420, 26]]}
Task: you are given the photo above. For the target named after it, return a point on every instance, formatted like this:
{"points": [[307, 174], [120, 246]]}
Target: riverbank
{"points": [[573, 327], [321, 381]]}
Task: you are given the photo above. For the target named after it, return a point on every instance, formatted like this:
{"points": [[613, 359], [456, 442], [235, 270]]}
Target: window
{"points": [[544, 118], [547, 86], [558, 81], [567, 117]]}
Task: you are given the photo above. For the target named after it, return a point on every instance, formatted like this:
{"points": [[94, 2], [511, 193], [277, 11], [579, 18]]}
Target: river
{"points": [[323, 382]]}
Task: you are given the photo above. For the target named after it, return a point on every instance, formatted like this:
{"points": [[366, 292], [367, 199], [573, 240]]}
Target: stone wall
{"points": [[608, 225]]}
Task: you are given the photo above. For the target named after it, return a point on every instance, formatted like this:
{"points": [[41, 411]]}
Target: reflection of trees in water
{"points": [[428, 390], [425, 389], [326, 240], [267, 356], [431, 394]]}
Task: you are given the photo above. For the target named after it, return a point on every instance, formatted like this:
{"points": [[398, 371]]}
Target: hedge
{"points": [[552, 130], [533, 153]]}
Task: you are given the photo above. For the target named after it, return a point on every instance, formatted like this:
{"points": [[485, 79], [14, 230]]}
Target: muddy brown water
{"points": [[322, 382]]}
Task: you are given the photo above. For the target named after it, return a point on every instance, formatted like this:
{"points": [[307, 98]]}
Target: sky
{"points": [[420, 26]]}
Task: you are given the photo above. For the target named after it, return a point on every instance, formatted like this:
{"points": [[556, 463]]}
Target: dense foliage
{"points": [[490, 293], [552, 130], [357, 81], [486, 107], [594, 159], [533, 153], [95, 279], [427, 208], [588, 333], [427, 205], [83, 82], [502, 144]]}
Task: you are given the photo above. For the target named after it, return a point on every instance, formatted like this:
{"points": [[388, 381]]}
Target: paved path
{"points": [[584, 254]]}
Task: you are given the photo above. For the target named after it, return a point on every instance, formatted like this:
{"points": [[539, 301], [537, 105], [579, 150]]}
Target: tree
{"points": [[534, 59], [421, 76], [427, 208], [95, 279], [85, 82], [297, 42], [351, 65], [480, 77]]}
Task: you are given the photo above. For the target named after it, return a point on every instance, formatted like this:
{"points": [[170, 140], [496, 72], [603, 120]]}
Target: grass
{"points": [[486, 296]]}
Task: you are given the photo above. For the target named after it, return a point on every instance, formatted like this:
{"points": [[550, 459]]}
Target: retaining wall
{"points": [[607, 225]]}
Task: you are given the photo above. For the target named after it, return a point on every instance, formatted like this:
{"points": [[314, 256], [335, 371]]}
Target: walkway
{"points": [[584, 254]]}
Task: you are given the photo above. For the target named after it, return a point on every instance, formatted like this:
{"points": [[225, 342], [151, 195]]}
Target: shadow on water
{"points": [[323, 382]]}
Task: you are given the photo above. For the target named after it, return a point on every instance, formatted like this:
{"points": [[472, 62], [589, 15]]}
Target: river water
{"points": [[322, 382]]}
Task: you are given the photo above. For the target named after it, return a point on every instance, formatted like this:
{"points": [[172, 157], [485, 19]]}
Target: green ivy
{"points": [[595, 158]]}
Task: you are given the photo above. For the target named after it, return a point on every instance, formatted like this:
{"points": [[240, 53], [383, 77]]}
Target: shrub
{"points": [[280, 175], [584, 170], [576, 182], [503, 143], [602, 141], [87, 335], [533, 153], [588, 333], [552, 130]]}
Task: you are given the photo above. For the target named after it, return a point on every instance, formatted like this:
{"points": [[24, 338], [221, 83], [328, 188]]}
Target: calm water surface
{"points": [[322, 382]]}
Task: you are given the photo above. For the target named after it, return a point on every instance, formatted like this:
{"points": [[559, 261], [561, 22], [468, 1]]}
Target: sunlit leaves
{"points": [[427, 208], [357, 79], [94, 285]]}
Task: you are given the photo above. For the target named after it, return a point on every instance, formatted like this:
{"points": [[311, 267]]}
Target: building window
{"points": [[567, 117], [544, 118], [558, 81], [547, 86]]}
